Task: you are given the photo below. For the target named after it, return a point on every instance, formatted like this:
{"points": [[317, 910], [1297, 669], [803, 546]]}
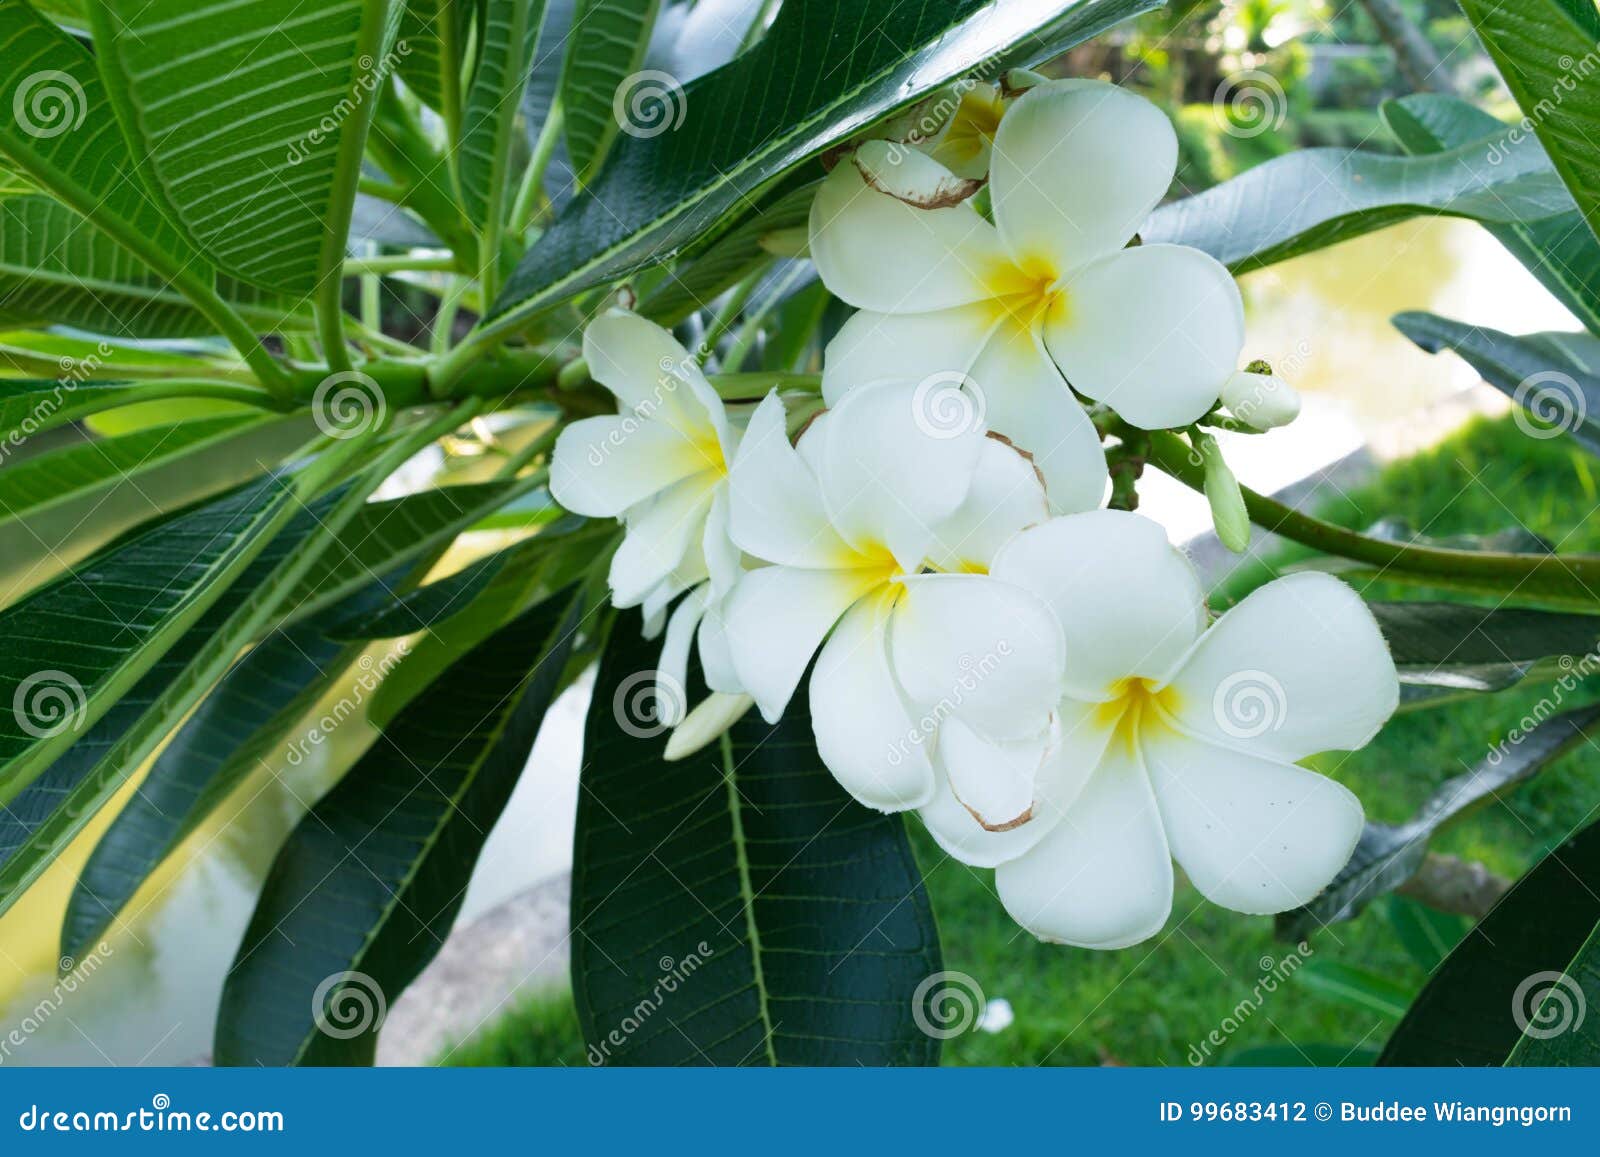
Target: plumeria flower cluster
{"points": [[1033, 675]]}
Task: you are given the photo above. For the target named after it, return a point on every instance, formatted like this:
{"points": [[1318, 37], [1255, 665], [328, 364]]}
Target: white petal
{"points": [[1076, 169], [602, 466], [1254, 835], [1026, 400], [911, 176], [1152, 332], [1102, 876], [776, 617], [660, 533], [1128, 603], [674, 665], [1078, 742], [716, 659], [904, 347], [993, 779], [876, 252], [890, 472], [775, 503], [1006, 496], [1298, 667], [954, 829], [862, 727], [650, 373], [708, 722], [723, 560], [980, 649]]}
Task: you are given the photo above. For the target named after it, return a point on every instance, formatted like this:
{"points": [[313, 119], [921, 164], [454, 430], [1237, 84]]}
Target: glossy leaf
{"points": [[1313, 198], [369, 883], [1532, 962], [488, 122], [800, 915], [1544, 49], [788, 98], [1388, 854], [604, 55], [1560, 251], [242, 116], [1542, 373], [1480, 648]]}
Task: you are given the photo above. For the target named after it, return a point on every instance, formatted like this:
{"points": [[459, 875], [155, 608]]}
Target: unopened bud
{"points": [[1228, 513], [1260, 400], [707, 723]]}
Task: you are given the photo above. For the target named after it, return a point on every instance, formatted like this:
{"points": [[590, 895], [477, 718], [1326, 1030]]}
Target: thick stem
{"points": [[1569, 578]]}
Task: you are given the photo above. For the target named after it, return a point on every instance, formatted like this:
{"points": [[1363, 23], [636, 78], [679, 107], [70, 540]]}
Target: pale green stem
{"points": [[526, 203]]}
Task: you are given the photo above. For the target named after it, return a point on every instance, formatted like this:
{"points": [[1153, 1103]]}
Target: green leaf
{"points": [[799, 915], [1313, 198], [44, 480], [56, 355], [1359, 987], [1543, 373], [1388, 854], [788, 98], [1425, 934], [77, 646], [237, 728], [489, 119], [56, 268], [367, 886], [433, 33], [1560, 251], [1480, 648], [1545, 52], [249, 120], [1532, 962], [695, 284], [604, 54]]}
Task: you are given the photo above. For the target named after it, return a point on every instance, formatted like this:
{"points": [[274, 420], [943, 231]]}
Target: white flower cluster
{"points": [[1032, 674]]}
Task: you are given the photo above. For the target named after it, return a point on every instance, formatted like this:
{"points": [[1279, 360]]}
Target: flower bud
{"points": [[1260, 400], [706, 724], [1228, 513]]}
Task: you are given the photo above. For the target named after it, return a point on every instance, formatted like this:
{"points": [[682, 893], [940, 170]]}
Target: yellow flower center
{"points": [[1135, 704], [972, 127], [1026, 292]]}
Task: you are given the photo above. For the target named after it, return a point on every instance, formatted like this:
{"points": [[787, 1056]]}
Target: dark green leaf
{"points": [[604, 53], [788, 98], [1560, 251], [1388, 855], [1313, 198], [1532, 963], [1546, 53], [1538, 372], [489, 119], [1480, 648], [371, 880], [799, 915]]}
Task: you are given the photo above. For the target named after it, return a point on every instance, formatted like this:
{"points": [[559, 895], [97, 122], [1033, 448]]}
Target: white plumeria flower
{"points": [[1049, 289], [661, 466], [1178, 742], [1261, 401], [879, 532]]}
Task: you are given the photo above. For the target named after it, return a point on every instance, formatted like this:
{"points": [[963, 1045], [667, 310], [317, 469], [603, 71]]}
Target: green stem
{"points": [[751, 328], [1570, 577], [526, 203], [267, 369], [398, 263], [728, 312], [450, 57], [754, 386]]}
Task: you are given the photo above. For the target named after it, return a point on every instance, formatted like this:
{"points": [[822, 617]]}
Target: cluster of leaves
{"points": [[199, 403]]}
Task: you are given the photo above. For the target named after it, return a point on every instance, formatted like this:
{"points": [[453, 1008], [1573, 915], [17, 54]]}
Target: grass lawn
{"points": [[1155, 1004]]}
